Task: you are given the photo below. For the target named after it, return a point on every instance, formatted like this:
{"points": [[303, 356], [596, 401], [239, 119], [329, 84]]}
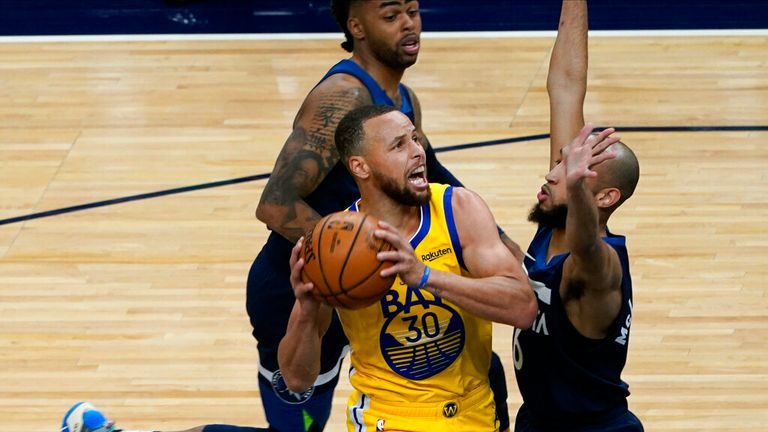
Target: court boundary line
{"points": [[455, 147], [512, 34]]}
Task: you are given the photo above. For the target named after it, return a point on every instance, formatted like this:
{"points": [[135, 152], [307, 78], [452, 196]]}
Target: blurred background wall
{"points": [[83, 17]]}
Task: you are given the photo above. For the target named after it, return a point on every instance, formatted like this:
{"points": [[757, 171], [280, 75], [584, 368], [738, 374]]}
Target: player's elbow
{"points": [[264, 213], [296, 383], [524, 308], [297, 377], [527, 314]]}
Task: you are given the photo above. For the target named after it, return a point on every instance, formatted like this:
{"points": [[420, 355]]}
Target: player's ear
{"points": [[607, 197], [355, 27], [359, 167]]}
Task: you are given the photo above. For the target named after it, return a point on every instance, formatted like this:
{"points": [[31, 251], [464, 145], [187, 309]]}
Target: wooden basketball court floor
{"points": [[139, 306]]}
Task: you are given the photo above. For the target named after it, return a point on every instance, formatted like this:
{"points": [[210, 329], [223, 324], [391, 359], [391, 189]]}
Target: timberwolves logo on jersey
{"points": [[420, 337], [283, 392]]}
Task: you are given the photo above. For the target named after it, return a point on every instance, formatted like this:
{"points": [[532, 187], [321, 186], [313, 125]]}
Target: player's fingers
{"points": [[296, 271], [385, 235], [602, 157], [604, 144], [392, 237], [583, 136], [304, 288], [398, 268], [388, 256], [401, 268], [296, 250], [604, 134], [607, 141], [385, 226], [387, 272]]}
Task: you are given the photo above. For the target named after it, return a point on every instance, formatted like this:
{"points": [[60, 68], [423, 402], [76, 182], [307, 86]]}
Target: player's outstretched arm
{"points": [[592, 272], [567, 77], [498, 289], [307, 156], [299, 352]]}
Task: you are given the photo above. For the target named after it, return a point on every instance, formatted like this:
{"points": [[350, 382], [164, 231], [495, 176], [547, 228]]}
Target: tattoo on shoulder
{"points": [[332, 106], [310, 152]]}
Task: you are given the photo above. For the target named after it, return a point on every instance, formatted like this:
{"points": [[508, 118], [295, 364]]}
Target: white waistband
{"points": [[321, 379]]}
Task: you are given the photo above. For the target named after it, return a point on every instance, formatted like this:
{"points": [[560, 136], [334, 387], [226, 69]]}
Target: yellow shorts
{"points": [[475, 412]]}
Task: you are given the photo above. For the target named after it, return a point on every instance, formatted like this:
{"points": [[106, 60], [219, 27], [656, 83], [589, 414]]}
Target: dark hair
{"points": [[340, 11], [349, 134]]}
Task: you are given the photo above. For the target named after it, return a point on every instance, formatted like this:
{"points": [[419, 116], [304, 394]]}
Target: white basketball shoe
{"points": [[83, 417]]}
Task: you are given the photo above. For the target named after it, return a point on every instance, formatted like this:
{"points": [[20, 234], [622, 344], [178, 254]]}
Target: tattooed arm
{"points": [[307, 156]]}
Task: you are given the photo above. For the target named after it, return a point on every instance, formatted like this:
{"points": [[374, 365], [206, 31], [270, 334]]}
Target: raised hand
{"points": [[586, 151]]}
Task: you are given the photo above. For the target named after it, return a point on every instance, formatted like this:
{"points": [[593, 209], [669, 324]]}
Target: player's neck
{"points": [[557, 244], [387, 78], [405, 218]]}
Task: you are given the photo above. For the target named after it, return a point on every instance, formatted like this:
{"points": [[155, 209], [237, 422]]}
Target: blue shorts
{"points": [[623, 421], [498, 381]]}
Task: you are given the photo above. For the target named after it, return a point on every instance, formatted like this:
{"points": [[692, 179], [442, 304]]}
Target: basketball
{"points": [[340, 260]]}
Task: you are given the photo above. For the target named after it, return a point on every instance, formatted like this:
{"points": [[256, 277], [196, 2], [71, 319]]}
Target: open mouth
{"points": [[418, 177], [410, 45]]}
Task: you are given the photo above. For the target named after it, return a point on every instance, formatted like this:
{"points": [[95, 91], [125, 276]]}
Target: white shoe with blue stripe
{"points": [[83, 417]]}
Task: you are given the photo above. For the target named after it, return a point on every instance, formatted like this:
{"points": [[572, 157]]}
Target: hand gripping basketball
{"points": [[340, 259]]}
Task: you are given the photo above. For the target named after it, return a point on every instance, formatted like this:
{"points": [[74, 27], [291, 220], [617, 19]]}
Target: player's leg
{"points": [[523, 420], [498, 382], [626, 422], [299, 412], [269, 303]]}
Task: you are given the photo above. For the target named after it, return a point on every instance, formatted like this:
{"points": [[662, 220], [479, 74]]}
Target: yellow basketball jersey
{"points": [[412, 346]]}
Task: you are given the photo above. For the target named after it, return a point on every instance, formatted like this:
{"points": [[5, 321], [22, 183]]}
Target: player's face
{"points": [[553, 192], [397, 159], [552, 206], [551, 209], [393, 30]]}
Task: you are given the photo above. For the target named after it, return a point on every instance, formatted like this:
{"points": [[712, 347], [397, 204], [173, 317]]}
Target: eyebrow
{"points": [[397, 139], [382, 5], [402, 136]]}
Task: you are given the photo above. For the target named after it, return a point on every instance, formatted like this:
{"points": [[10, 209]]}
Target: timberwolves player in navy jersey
{"points": [[568, 365]]}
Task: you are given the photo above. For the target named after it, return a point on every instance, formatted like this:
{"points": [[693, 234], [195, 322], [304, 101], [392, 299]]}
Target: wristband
{"points": [[424, 277]]}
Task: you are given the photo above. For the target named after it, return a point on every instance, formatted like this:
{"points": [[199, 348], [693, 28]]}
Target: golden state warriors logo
{"points": [[420, 337], [450, 409]]}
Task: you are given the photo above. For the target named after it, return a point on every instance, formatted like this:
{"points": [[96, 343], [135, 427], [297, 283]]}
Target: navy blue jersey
{"points": [[338, 189], [568, 380]]}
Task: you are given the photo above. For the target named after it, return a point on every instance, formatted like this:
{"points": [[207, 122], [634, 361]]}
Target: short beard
{"points": [[403, 195], [391, 58], [554, 218]]}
